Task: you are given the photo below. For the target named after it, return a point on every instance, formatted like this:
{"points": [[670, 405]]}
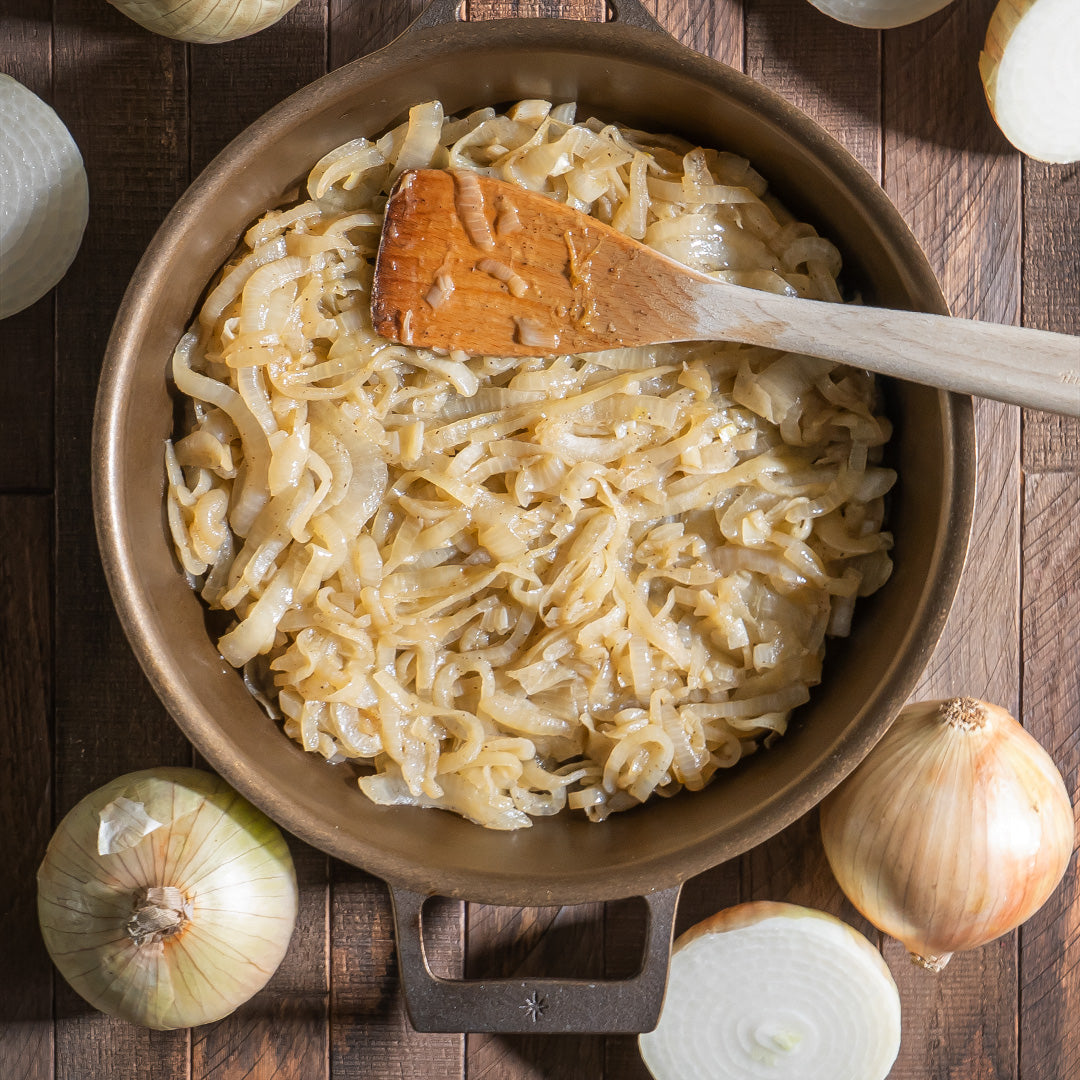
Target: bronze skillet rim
{"points": [[557, 861]]}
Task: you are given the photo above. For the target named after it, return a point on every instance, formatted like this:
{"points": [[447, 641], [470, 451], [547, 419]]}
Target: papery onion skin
{"points": [[205, 22], [953, 831], [228, 862]]}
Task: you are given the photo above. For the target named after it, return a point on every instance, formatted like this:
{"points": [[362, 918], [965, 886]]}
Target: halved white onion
{"points": [[771, 991], [879, 14], [1031, 76], [205, 22], [44, 198]]}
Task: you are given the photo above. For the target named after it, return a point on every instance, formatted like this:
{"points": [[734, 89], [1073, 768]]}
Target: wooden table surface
{"points": [[1003, 234]]}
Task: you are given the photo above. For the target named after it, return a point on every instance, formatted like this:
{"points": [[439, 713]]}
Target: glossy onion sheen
{"points": [[953, 831], [769, 991], [227, 862], [43, 197]]}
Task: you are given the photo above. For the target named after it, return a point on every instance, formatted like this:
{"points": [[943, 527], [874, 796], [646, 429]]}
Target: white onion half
{"points": [[44, 199], [771, 991], [205, 22], [1031, 75], [879, 14]]}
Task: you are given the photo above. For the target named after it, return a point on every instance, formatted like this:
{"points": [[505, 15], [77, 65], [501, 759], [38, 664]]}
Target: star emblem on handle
{"points": [[534, 1006]]}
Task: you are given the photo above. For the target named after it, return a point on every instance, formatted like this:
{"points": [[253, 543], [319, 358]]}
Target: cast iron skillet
{"points": [[628, 70]]}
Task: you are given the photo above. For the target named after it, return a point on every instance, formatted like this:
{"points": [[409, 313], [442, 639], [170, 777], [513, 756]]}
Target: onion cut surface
{"points": [[1031, 77], [44, 200], [771, 991], [879, 14]]}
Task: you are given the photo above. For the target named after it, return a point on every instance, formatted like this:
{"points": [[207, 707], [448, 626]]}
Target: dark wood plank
{"points": [[108, 719], [357, 27], [26, 1020], [234, 83], [715, 29], [830, 70], [624, 943], [526, 942], [1051, 298], [945, 169], [1050, 941], [124, 90], [26, 339], [370, 1035]]}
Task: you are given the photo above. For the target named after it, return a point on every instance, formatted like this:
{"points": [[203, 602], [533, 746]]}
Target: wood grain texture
{"points": [[1051, 296], [370, 1035], [831, 71], [26, 339], [1050, 941], [358, 27], [715, 29], [233, 84], [624, 941], [958, 188], [26, 1014]]}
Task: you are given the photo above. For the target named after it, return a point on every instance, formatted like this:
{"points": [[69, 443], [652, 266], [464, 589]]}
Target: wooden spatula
{"points": [[472, 263]]}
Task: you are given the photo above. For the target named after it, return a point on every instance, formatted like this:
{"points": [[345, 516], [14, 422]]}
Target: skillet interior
{"points": [[616, 72]]}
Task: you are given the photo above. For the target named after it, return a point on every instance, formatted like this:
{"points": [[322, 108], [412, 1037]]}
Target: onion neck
{"points": [[931, 963], [966, 713], [157, 914]]}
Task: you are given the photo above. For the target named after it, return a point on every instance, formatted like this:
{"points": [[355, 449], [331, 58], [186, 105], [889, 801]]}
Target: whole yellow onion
{"points": [[166, 898], [955, 829]]}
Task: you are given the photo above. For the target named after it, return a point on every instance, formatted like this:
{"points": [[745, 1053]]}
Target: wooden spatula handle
{"points": [[557, 281], [1035, 368]]}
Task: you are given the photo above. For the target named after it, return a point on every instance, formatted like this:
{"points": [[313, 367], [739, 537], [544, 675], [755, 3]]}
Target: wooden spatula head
{"points": [[473, 263]]}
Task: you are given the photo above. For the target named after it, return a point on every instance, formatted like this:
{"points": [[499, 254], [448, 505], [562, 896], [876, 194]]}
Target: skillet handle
{"points": [[630, 12], [634, 13], [534, 1006]]}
